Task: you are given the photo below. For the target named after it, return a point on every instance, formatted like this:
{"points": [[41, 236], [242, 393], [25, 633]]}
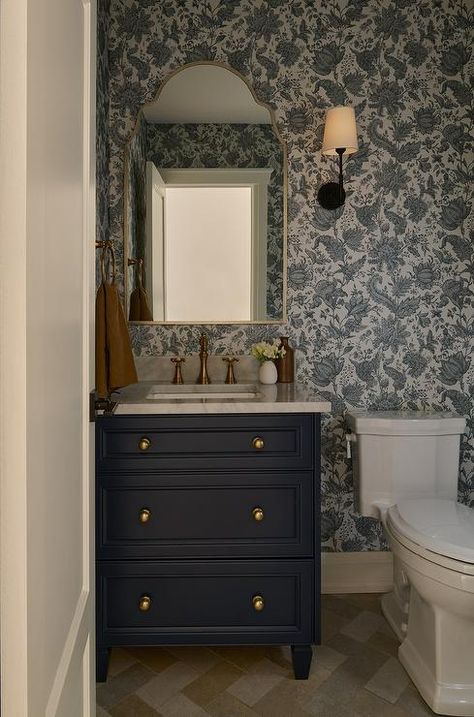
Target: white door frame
{"points": [[74, 673], [258, 179]]}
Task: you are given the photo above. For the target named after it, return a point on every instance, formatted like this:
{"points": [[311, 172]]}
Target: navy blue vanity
{"points": [[208, 531]]}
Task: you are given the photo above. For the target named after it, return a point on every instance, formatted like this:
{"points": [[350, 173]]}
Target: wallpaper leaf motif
{"points": [[392, 325]]}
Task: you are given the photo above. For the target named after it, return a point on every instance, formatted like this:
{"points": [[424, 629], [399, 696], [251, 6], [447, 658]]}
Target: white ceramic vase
{"points": [[267, 373]]}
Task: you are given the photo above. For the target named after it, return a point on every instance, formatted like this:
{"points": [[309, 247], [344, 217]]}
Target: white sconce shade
{"points": [[340, 131]]}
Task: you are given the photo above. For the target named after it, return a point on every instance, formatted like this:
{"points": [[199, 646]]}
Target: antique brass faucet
{"points": [[178, 376], [203, 377], [230, 360]]}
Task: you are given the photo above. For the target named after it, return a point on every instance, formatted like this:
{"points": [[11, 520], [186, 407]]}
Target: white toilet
{"points": [[406, 473]]}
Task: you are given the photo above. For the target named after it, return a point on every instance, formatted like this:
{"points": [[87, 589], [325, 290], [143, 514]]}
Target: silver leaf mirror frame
{"points": [[133, 267]]}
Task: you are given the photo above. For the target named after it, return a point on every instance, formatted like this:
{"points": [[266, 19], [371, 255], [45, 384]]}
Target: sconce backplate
{"points": [[331, 195]]}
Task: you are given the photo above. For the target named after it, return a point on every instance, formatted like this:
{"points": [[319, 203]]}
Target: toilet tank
{"points": [[403, 454]]}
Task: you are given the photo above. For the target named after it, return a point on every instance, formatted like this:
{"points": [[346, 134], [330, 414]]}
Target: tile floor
{"points": [[355, 673]]}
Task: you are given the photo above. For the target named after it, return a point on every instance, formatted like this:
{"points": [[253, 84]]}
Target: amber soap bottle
{"points": [[286, 365]]}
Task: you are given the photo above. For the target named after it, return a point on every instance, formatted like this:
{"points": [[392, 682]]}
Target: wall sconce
{"points": [[340, 137]]}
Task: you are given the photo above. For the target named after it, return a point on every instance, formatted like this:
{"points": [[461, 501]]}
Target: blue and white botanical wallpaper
{"points": [[135, 201], [102, 144], [380, 298]]}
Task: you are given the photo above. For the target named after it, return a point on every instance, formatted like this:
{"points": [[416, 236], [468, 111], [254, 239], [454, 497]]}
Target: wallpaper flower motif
{"points": [[102, 96], [380, 299]]}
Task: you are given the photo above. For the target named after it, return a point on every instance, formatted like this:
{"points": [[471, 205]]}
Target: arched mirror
{"points": [[205, 204]]}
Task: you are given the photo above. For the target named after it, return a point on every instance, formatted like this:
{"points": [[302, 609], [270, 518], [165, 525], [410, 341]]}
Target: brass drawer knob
{"points": [[144, 443], [258, 603], [145, 603], [258, 514], [144, 515], [258, 443]]}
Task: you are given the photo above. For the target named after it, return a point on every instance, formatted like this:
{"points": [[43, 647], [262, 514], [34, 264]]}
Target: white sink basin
{"points": [[196, 392]]}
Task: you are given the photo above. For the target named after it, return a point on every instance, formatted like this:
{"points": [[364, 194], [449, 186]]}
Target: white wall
{"points": [[209, 256]]}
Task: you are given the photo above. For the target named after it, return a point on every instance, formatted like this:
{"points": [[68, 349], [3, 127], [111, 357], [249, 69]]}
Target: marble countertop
{"points": [[277, 398]]}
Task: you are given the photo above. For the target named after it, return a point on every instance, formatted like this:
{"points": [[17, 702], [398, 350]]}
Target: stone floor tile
{"points": [[337, 690], [363, 626], [156, 658], [180, 706], [166, 684], [387, 629], [226, 705], [326, 657], [119, 660], [345, 681], [347, 646], [268, 667], [216, 680], [365, 601], [242, 657], [201, 658], [253, 685], [413, 703], [133, 706], [339, 605], [280, 655], [287, 698], [317, 676], [366, 704], [328, 706], [384, 642], [125, 683], [331, 624], [389, 681], [100, 712]]}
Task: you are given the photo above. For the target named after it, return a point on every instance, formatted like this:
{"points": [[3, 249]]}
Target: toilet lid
{"points": [[441, 526]]}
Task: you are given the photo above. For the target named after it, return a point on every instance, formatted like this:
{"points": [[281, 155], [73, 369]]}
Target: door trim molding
{"points": [[368, 572], [76, 639], [13, 349]]}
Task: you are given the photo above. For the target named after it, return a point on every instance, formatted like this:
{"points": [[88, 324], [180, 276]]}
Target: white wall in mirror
{"points": [[208, 260], [206, 241], [195, 97]]}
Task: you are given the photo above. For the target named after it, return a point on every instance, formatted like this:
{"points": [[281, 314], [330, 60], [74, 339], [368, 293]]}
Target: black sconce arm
{"points": [[332, 194]]}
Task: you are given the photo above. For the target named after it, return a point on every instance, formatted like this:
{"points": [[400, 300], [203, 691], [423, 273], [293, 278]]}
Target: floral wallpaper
{"points": [[135, 169], [213, 145], [102, 97], [380, 297]]}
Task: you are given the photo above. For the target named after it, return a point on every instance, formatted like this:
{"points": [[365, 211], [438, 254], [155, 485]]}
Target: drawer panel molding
{"points": [[251, 518], [158, 442]]}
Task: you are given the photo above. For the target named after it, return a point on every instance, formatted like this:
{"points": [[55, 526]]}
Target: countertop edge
{"points": [[276, 398], [221, 407]]}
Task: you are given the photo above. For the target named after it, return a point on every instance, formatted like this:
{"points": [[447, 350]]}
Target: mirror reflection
{"points": [[205, 183]]}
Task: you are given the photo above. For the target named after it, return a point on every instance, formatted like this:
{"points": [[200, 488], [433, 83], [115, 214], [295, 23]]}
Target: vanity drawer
{"points": [[237, 515], [205, 442], [206, 602]]}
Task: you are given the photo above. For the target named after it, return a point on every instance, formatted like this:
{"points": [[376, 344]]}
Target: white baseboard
{"points": [[369, 572]]}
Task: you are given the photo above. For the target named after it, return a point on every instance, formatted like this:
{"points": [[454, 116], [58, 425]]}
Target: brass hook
{"points": [[106, 246], [139, 264]]}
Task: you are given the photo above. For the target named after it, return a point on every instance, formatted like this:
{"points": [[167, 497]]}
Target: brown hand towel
{"points": [[114, 364], [139, 309]]}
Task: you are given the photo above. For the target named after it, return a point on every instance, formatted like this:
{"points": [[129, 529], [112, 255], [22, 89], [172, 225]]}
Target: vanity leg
{"points": [[301, 656], [102, 663]]}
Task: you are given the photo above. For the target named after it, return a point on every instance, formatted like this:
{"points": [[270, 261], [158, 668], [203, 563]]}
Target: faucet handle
{"points": [[204, 342], [178, 376], [230, 360]]}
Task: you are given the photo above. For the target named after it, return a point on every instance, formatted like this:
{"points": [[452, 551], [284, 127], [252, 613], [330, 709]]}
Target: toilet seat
{"points": [[439, 530]]}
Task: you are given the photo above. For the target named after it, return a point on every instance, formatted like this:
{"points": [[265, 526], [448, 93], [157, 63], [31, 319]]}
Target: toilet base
{"points": [[395, 615], [438, 649], [455, 700], [396, 603]]}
